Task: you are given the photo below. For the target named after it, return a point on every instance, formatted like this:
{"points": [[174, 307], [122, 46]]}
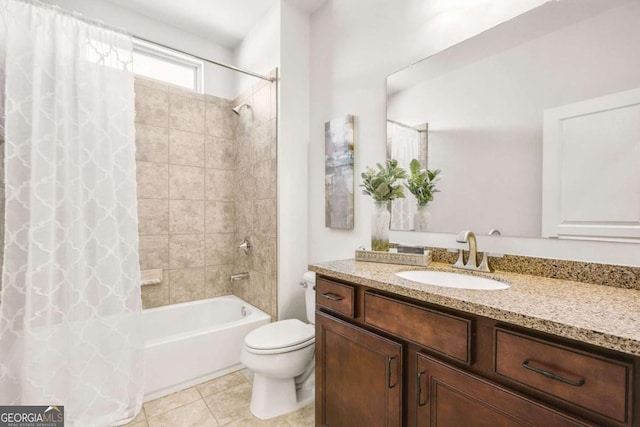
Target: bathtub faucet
{"points": [[239, 276]]}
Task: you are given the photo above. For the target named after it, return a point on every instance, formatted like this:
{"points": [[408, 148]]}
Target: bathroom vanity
{"points": [[545, 352]]}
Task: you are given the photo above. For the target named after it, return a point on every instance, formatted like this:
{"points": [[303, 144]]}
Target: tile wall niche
{"points": [[195, 189]]}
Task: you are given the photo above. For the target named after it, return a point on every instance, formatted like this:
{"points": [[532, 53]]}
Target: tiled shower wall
{"points": [[195, 182], [256, 184]]}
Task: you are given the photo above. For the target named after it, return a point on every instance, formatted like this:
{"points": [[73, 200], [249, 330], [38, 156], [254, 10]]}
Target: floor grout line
{"points": [[177, 407], [211, 411], [244, 382]]}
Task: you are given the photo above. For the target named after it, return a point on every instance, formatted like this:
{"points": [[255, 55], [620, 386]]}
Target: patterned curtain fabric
{"points": [[70, 327], [404, 146]]}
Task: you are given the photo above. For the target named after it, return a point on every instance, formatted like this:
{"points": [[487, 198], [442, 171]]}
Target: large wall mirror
{"points": [[535, 125]]}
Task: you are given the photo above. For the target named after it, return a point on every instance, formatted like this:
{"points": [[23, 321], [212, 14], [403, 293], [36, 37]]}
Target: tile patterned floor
{"points": [[223, 401]]}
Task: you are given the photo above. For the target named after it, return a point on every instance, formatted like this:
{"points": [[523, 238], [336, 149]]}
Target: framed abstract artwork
{"points": [[339, 141]]}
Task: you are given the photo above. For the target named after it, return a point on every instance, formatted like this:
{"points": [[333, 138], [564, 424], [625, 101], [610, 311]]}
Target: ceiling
{"points": [[225, 22]]}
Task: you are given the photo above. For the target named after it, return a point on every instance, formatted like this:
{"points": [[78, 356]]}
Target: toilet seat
{"points": [[280, 337]]}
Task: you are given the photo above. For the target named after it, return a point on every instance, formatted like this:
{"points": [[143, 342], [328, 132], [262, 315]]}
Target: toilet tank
{"points": [[310, 295]]}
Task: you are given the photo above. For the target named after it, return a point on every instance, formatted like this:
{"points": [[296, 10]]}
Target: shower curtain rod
{"points": [[405, 126], [230, 67]]}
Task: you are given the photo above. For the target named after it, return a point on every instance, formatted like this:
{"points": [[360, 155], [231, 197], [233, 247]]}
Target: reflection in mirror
{"points": [[486, 101], [405, 143]]}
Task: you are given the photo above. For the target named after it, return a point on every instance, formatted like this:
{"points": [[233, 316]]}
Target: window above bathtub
{"points": [[167, 65]]}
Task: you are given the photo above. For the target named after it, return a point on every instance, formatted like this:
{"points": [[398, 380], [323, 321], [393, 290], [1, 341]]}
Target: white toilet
{"points": [[282, 358]]}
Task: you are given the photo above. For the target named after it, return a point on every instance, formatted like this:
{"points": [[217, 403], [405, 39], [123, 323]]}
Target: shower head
{"points": [[237, 108]]}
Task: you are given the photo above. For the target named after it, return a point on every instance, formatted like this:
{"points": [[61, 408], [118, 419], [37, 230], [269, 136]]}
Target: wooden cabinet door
{"points": [[358, 376], [449, 397]]}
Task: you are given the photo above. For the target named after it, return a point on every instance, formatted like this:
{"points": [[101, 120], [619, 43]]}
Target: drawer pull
{"points": [[389, 360], [553, 376], [332, 297], [420, 402]]}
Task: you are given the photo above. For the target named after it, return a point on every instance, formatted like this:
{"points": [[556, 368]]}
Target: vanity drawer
{"points": [[335, 296], [443, 333], [593, 382]]}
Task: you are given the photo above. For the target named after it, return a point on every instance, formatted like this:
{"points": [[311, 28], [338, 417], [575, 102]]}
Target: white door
{"points": [[591, 169]]}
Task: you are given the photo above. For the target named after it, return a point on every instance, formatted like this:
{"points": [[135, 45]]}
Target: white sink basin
{"points": [[452, 280]]}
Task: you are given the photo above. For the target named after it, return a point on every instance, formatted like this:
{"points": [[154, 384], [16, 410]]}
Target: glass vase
{"points": [[380, 227], [421, 218]]}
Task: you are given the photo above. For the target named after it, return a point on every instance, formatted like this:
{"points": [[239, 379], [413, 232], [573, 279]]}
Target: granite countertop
{"points": [[605, 316]]}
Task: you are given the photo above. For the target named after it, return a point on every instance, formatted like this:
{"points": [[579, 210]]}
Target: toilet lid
{"points": [[281, 334]]}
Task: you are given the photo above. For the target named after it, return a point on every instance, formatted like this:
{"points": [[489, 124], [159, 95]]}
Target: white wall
{"points": [[281, 39], [259, 51], [218, 81], [354, 46], [293, 143]]}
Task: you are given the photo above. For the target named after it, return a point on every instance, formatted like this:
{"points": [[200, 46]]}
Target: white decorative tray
{"points": [[418, 260]]}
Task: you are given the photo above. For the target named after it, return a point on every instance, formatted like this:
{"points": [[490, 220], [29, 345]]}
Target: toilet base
{"points": [[272, 397]]}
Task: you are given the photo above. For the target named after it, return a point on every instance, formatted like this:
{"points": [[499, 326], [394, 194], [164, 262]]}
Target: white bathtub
{"points": [[188, 343]]}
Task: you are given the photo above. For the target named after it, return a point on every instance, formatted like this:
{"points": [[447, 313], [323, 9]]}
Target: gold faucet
{"points": [[472, 260]]}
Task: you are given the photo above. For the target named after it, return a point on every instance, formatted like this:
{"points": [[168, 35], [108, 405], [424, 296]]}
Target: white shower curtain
{"points": [[70, 327], [404, 146]]}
